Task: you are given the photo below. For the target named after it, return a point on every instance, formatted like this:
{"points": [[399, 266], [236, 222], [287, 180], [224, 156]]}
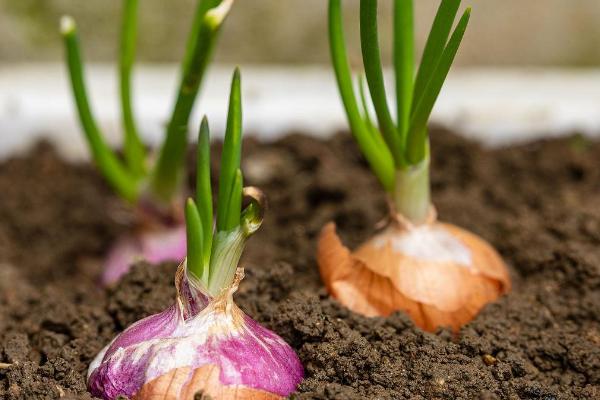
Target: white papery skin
{"points": [[427, 243]]}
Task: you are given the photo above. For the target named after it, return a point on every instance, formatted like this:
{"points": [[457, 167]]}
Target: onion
{"points": [[155, 246], [199, 344], [437, 273], [203, 344]]}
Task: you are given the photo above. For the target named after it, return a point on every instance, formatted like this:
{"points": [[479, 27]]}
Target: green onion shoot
{"points": [[439, 274], [153, 187], [204, 343]]}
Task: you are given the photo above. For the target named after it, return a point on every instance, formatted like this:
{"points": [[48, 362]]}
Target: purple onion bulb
{"points": [[199, 344]]}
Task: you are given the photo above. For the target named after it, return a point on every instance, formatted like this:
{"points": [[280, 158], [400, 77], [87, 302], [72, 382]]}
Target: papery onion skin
{"points": [[173, 355], [205, 380], [167, 244], [446, 288]]}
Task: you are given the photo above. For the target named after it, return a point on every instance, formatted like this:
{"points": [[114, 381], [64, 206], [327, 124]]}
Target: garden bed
{"points": [[536, 203]]}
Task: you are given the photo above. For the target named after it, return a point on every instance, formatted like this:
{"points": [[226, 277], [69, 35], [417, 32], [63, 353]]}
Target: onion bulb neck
{"points": [[411, 196]]}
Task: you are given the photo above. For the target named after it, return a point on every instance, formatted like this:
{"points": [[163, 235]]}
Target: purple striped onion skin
{"points": [[200, 344]]}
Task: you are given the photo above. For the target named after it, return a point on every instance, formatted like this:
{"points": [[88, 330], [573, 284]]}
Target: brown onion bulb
{"points": [[437, 273]]}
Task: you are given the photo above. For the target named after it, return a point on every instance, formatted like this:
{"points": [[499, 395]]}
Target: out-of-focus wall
{"points": [[502, 32]]}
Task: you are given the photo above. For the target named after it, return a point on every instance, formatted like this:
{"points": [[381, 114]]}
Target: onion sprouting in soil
{"points": [[154, 188], [204, 344], [439, 274]]}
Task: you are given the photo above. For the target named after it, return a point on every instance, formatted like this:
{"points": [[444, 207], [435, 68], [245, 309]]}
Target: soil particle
{"points": [[145, 290], [536, 203]]}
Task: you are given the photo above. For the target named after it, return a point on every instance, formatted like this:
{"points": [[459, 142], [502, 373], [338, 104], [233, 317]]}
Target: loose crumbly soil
{"points": [[539, 204]]}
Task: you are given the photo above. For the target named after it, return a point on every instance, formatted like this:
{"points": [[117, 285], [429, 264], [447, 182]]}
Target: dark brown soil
{"points": [[538, 204]]}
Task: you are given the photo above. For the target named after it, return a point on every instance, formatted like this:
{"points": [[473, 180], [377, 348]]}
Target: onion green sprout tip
{"points": [[229, 189], [67, 25], [214, 250], [215, 16]]}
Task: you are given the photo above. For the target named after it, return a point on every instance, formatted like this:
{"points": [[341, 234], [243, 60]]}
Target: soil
{"points": [[537, 203]]}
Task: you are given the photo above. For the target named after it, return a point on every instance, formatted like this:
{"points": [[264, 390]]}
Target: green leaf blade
{"points": [[417, 143], [371, 128], [436, 42], [376, 152], [232, 152], [203, 187], [404, 59], [223, 272], [111, 168], [194, 233], [135, 153], [167, 174], [234, 206], [363, 102], [369, 38]]}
